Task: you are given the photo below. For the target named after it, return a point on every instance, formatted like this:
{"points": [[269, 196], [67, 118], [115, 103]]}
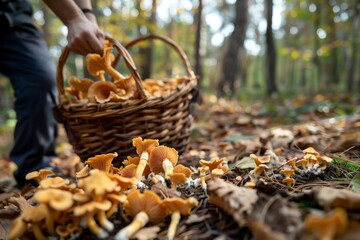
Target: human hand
{"points": [[84, 36]]}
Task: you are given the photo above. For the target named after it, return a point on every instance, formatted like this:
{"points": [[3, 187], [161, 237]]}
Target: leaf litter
{"points": [[244, 203]]}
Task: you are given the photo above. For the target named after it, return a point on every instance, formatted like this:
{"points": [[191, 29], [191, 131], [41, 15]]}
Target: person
{"points": [[26, 61]]}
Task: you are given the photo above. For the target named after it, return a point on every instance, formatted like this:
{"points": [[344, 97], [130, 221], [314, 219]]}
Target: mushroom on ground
{"points": [[163, 159], [292, 163], [18, 228], [143, 148], [177, 179], [102, 162], [287, 172], [143, 208], [329, 226], [34, 218], [178, 207], [289, 182], [57, 201], [87, 212], [215, 163], [38, 176], [310, 150], [260, 160], [258, 170]]}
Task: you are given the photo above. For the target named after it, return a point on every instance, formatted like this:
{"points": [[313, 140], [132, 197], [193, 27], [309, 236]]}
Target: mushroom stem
{"points": [[142, 164], [35, 228], [140, 220], [49, 222], [168, 167], [113, 73], [175, 219], [104, 222], [94, 228]]}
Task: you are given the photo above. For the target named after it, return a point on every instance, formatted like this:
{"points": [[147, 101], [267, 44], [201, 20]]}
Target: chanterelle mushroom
{"points": [[178, 207], [329, 226], [143, 148], [102, 161], [97, 64], [163, 159], [38, 176], [144, 208]]}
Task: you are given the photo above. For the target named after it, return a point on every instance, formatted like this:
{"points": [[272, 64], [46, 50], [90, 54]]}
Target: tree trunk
{"points": [[270, 52], [332, 69], [354, 49], [198, 46], [230, 63], [316, 59]]}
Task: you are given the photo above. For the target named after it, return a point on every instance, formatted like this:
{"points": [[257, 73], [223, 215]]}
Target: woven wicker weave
{"points": [[95, 128]]}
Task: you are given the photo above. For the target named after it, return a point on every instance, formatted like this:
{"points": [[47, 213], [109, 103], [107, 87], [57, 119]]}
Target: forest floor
{"points": [[243, 204]]}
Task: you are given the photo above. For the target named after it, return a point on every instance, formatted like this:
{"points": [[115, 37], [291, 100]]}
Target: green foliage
{"points": [[346, 168], [355, 183]]}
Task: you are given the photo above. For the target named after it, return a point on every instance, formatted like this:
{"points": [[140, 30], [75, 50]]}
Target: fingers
{"points": [[86, 39]]}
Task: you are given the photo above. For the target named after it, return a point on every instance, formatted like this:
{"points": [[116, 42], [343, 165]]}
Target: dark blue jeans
{"points": [[25, 60]]}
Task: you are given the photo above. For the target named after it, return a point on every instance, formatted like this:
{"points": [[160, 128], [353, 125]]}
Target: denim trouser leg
{"points": [[25, 60]]}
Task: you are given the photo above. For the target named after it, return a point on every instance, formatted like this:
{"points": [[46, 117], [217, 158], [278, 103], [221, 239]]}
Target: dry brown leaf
{"points": [[147, 233], [330, 197], [21, 203], [193, 218], [261, 231], [236, 201]]}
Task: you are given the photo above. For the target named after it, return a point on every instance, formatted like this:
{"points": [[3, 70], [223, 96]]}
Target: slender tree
{"points": [[354, 49], [230, 63], [198, 47], [270, 51]]}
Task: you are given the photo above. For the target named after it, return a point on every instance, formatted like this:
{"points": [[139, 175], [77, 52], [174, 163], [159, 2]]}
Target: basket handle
{"points": [[171, 43], [122, 52]]}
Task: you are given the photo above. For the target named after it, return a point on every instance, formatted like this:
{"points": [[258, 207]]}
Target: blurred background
{"points": [[241, 50]]}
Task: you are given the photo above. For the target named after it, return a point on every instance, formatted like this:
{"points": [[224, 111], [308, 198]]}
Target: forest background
{"points": [[245, 50]]}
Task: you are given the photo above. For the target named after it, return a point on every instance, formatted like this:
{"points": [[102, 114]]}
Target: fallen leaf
{"points": [[236, 201], [193, 218], [330, 197]]}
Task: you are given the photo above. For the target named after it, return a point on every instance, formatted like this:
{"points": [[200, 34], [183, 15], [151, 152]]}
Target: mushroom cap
{"points": [[260, 169], [39, 175], [101, 91], [182, 169], [287, 172], [177, 178], [123, 182], [217, 172], [128, 171], [260, 160], [92, 206], [291, 162], [131, 160], [55, 198], [96, 63], [327, 226], [211, 164], [146, 145], [289, 181], [98, 183], [180, 205], [311, 151], [159, 154], [55, 182], [303, 162], [81, 85], [148, 202], [102, 161], [84, 172]]}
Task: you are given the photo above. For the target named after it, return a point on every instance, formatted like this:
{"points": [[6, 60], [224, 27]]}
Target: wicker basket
{"points": [[95, 128]]}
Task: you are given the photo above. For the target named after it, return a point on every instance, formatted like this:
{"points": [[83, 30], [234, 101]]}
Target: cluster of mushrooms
{"points": [[120, 89], [63, 208], [312, 162]]}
